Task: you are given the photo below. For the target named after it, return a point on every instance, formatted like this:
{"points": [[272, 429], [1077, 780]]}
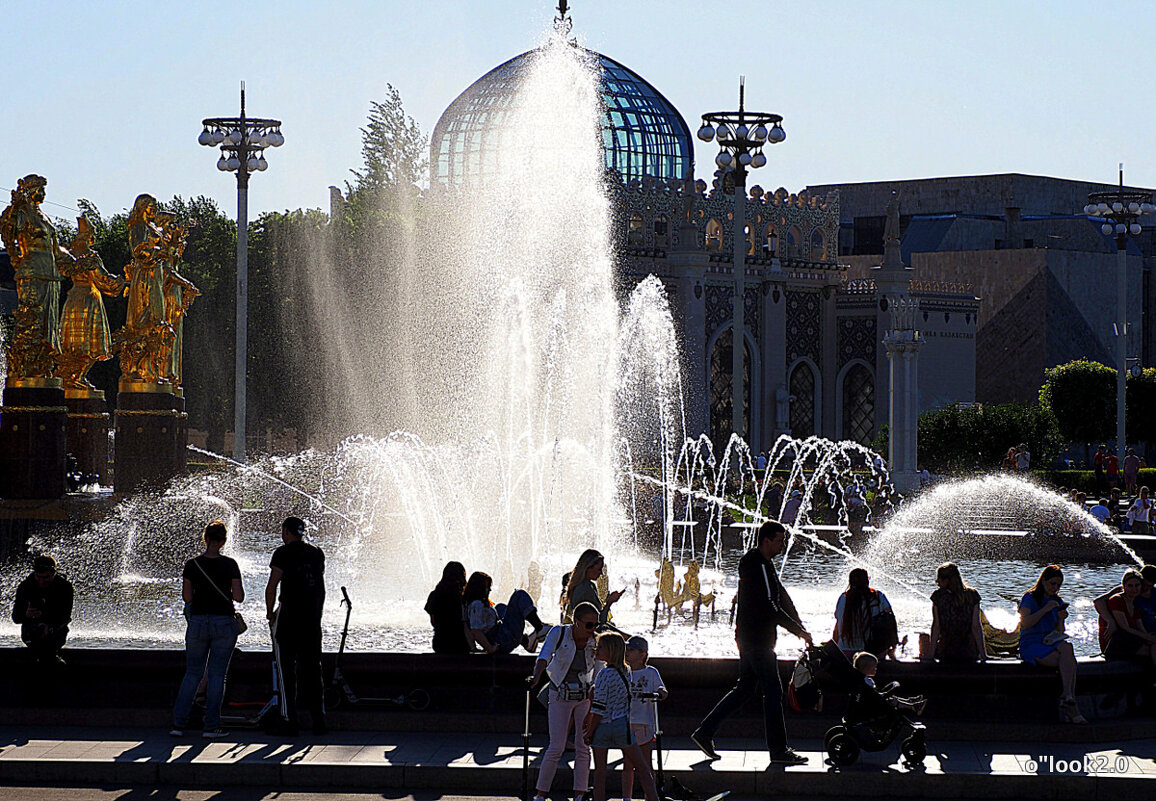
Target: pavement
{"points": [[479, 764]]}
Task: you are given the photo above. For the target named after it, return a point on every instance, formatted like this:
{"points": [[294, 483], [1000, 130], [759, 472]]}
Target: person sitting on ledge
{"points": [[43, 610], [499, 629], [1128, 617], [856, 613], [447, 613], [1042, 638], [956, 634]]}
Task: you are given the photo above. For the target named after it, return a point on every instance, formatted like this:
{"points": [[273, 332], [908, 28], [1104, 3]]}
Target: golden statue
{"points": [[179, 293], [691, 589], [145, 340], [84, 337], [665, 575], [36, 257]]}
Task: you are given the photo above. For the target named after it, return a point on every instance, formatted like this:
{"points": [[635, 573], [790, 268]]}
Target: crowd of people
{"points": [[599, 690]]}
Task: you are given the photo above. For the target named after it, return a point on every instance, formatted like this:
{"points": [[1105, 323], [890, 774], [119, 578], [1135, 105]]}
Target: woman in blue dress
{"points": [[1042, 638]]}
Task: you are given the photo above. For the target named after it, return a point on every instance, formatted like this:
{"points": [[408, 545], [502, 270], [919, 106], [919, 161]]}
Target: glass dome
{"points": [[642, 133]]}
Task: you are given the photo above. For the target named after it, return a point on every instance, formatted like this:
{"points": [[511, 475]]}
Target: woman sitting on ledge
{"points": [[500, 629], [956, 634], [1130, 639], [1042, 638]]}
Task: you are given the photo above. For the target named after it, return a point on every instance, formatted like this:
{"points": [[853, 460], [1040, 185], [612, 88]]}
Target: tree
{"points": [[1140, 400], [1081, 395], [393, 147]]}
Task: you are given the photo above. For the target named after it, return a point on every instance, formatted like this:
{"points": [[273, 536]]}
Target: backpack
{"points": [[882, 631], [803, 693]]}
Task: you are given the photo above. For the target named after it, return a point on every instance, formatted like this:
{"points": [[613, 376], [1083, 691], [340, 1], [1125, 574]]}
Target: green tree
{"points": [[1081, 395], [1140, 401], [393, 147]]}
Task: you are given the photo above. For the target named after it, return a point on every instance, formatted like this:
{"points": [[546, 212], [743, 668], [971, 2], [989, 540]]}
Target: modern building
{"points": [[1046, 273], [813, 330]]}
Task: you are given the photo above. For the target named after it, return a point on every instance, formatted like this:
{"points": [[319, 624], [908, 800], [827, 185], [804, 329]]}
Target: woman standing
{"points": [[1140, 514], [447, 612], [211, 583], [956, 634], [582, 588], [1042, 638], [567, 659], [855, 610]]}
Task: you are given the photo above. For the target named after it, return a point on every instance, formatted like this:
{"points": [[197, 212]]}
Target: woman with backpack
{"points": [[863, 618]]}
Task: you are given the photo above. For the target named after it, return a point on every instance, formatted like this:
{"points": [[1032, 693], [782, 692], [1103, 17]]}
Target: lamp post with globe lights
{"points": [[243, 141], [1120, 209], [741, 136]]}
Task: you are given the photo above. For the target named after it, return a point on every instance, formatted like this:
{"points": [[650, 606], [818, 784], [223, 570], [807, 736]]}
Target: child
{"points": [[868, 665], [608, 724], [645, 684]]}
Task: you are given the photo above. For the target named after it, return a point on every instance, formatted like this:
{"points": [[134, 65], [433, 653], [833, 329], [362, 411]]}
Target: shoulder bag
{"points": [[242, 626]]}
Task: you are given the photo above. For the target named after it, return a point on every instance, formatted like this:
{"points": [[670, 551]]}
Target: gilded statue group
{"points": [[52, 343]]}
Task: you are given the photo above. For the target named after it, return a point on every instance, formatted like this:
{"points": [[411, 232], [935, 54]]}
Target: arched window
{"points": [[661, 231], [721, 411], [802, 400], [714, 234], [634, 231], [794, 243], [818, 246], [858, 405]]}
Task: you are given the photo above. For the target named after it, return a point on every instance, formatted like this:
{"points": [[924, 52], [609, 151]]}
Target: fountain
{"points": [[547, 417]]}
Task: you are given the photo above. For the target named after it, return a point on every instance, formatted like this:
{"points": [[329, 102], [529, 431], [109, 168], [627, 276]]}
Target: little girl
{"points": [[608, 724], [645, 689]]}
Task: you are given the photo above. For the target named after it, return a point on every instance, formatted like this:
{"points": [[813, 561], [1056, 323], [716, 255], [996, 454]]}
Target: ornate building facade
{"points": [[815, 362]]}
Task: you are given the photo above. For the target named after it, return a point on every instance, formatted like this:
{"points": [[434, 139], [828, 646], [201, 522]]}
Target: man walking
{"points": [[43, 610], [763, 605], [299, 569]]}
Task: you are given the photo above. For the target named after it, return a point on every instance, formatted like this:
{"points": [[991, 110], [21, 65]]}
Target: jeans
{"points": [[758, 667], [508, 635], [560, 713], [208, 639], [299, 661], [43, 641]]}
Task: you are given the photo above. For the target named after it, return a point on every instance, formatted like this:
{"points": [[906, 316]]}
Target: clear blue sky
{"points": [[105, 99]]}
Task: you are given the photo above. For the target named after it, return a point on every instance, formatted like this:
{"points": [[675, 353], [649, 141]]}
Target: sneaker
{"points": [[537, 638], [175, 732], [704, 743], [788, 756], [214, 734]]}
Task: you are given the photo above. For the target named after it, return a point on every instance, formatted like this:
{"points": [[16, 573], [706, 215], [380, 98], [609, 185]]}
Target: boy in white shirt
{"points": [[645, 684]]}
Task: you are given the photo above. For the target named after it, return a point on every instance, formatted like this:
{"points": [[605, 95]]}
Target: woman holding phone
{"points": [[1042, 637]]}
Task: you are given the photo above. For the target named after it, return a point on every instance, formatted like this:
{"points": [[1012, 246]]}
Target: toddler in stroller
{"points": [[874, 718]]}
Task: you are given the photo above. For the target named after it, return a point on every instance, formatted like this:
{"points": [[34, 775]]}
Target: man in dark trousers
{"points": [[763, 606], [43, 610], [299, 569]]}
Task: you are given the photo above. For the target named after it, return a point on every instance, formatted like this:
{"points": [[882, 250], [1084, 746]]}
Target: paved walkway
{"points": [[488, 763]]}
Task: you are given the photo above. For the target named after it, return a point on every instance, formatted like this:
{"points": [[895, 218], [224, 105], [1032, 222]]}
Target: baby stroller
{"points": [[872, 722]]}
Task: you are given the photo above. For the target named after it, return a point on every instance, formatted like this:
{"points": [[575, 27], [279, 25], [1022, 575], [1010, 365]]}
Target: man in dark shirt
{"points": [[763, 606], [43, 609], [299, 569]]}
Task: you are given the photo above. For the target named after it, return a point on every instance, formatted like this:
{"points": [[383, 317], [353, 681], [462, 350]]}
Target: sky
{"points": [[105, 97]]}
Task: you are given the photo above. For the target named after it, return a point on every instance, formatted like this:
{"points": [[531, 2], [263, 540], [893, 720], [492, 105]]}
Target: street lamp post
{"points": [[242, 141], [1120, 209], [741, 135]]}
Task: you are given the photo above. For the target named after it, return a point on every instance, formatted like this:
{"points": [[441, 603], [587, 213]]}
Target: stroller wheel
{"points": [[332, 697], [914, 750], [841, 747]]}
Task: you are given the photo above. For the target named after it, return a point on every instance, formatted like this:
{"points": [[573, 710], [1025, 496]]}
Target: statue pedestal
{"points": [[180, 463], [32, 440], [88, 422], [147, 422]]}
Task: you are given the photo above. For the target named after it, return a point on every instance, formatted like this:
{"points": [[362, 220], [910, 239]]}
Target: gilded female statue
{"points": [[179, 293], [84, 337], [146, 336], [36, 257]]}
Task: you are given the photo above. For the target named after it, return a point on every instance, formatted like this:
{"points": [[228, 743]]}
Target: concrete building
{"points": [[1046, 273]]}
